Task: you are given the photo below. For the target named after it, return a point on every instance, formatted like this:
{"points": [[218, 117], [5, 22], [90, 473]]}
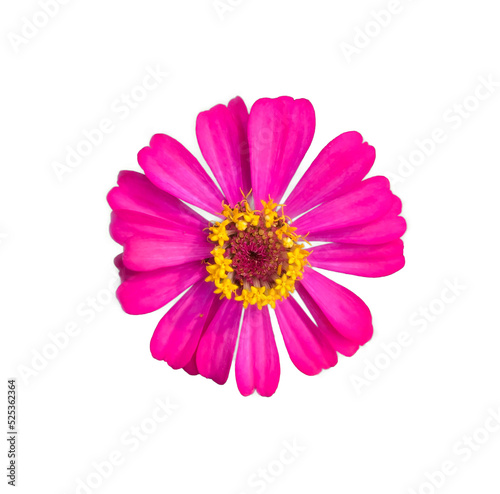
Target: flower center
{"points": [[258, 256]]}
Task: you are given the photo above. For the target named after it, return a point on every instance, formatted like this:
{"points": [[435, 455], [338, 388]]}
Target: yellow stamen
{"points": [[272, 228]]}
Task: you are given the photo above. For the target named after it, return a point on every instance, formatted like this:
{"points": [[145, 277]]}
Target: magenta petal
{"points": [[308, 349], [362, 260], [148, 291], [257, 360], [347, 313], [367, 201], [339, 166], [396, 206], [280, 132], [136, 193], [386, 229], [215, 351], [126, 224], [172, 168], [178, 332], [191, 367], [123, 271], [335, 339], [222, 139], [149, 253], [239, 111]]}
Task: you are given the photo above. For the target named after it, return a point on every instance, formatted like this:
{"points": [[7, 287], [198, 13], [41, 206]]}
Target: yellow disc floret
{"points": [[258, 257]]}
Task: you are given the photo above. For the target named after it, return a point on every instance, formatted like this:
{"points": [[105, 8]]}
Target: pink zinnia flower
{"points": [[255, 256]]}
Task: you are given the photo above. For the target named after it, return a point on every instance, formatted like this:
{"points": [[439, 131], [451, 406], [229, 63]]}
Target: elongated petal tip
{"points": [[257, 360], [347, 313], [172, 168]]}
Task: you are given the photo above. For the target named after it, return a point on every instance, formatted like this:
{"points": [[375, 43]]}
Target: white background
{"points": [[55, 252]]}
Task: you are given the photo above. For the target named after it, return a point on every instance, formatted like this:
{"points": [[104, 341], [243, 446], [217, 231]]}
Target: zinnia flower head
{"points": [[259, 254]]}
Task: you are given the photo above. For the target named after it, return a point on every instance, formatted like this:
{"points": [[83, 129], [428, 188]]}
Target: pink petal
{"points": [[178, 332], [335, 339], [368, 201], [379, 231], [215, 351], [126, 224], [363, 260], [308, 349], [172, 168], [148, 291], [239, 111], [257, 360], [123, 271], [343, 163], [136, 193], [280, 132], [191, 367], [221, 138], [148, 253], [386, 229], [396, 206], [347, 313]]}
